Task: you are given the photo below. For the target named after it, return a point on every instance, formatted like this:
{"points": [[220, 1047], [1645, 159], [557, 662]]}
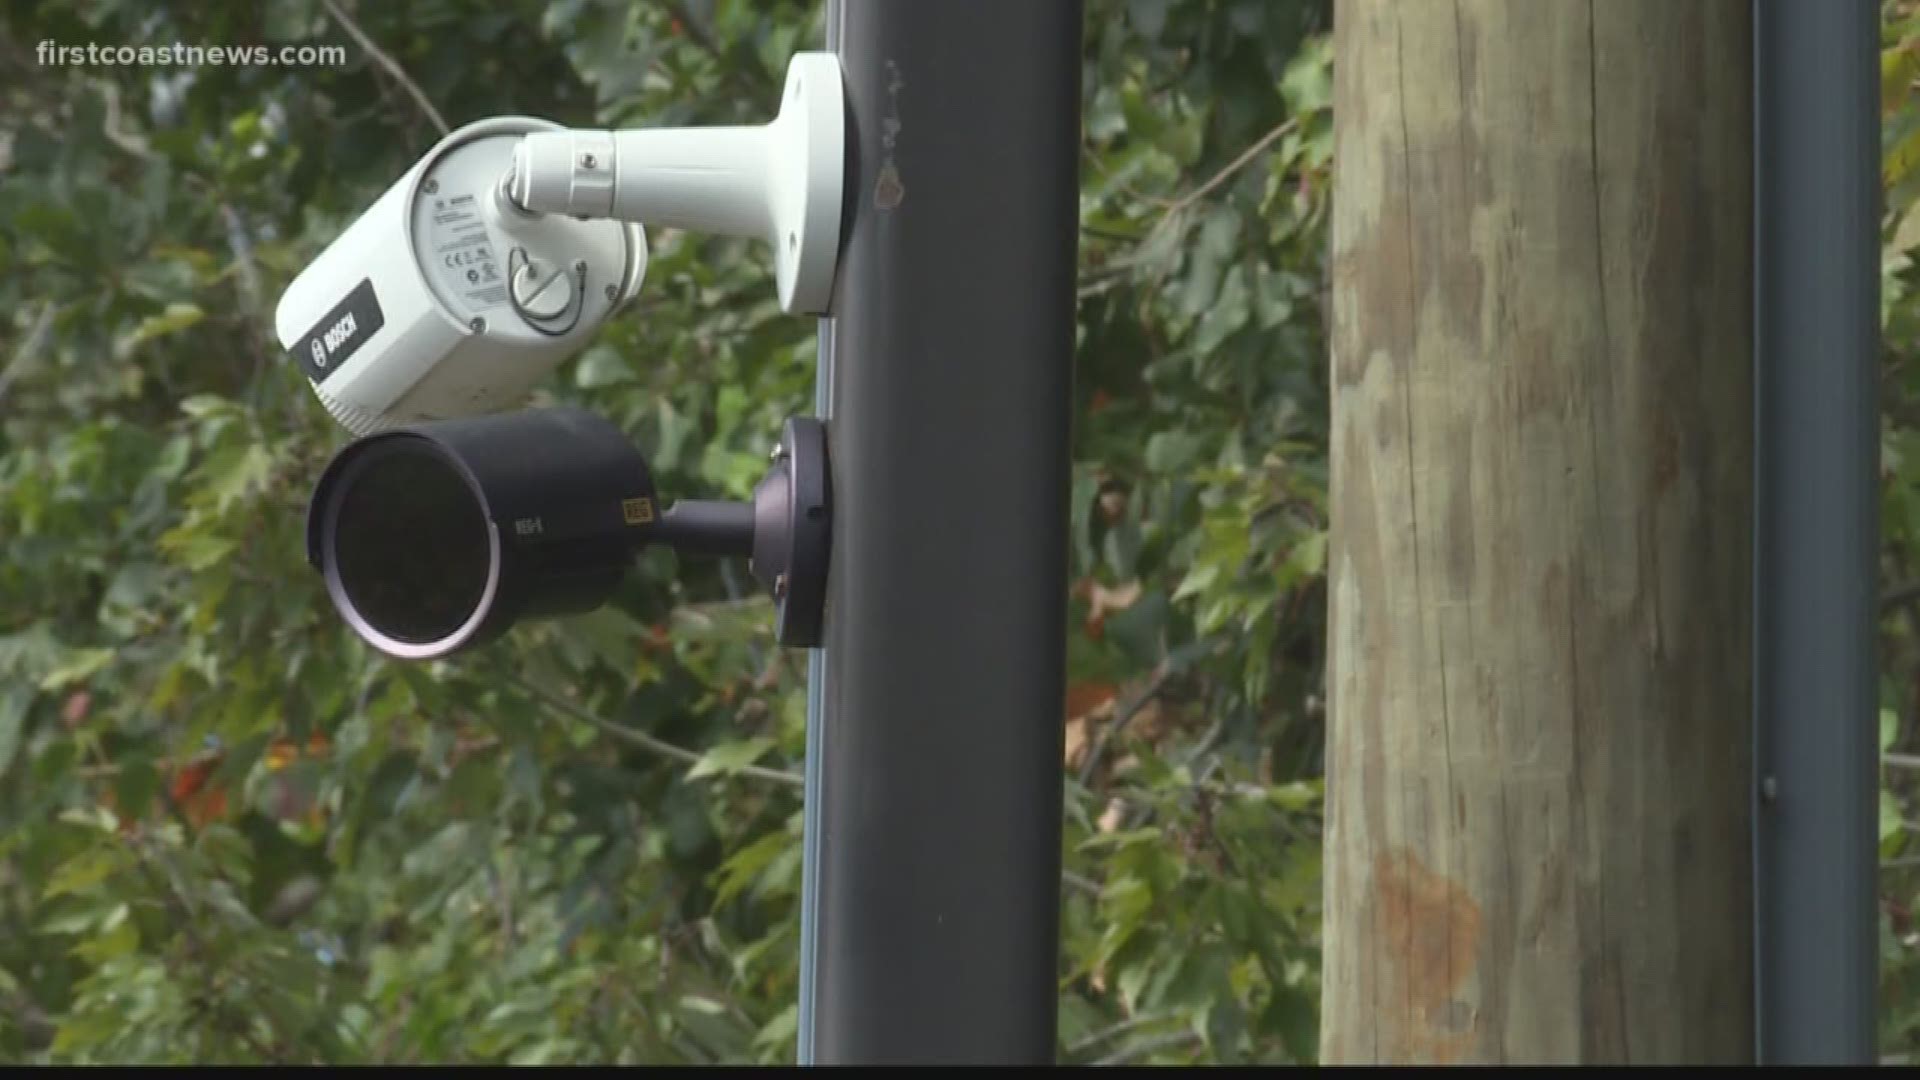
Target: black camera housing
{"points": [[439, 536]]}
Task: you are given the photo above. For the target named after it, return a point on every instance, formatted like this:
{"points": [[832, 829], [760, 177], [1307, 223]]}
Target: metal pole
{"points": [[933, 887], [816, 728], [1817, 205]]}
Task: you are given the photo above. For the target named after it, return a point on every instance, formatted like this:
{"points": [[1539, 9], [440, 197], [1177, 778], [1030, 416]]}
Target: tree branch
{"points": [[1117, 269], [211, 1001], [640, 738], [388, 63], [1084, 884], [1161, 673], [1232, 167], [1147, 1047], [110, 123], [750, 84], [29, 348], [695, 32], [1088, 1042]]}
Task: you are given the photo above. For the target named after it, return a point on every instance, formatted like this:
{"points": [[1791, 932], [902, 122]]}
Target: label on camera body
{"points": [[464, 254], [340, 332]]}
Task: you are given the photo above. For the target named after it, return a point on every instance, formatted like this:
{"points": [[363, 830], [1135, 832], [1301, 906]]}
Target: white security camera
{"points": [[444, 299], [502, 251]]}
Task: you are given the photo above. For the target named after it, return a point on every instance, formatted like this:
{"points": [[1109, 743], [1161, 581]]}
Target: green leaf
{"points": [[13, 717], [205, 406], [544, 1052], [777, 1034], [177, 317], [1307, 559], [727, 759], [97, 818], [602, 366], [97, 915], [744, 865], [235, 475], [1172, 451], [1133, 980], [78, 666], [1308, 81], [1899, 162], [119, 937], [1122, 838], [1149, 16], [1228, 314], [1199, 579], [196, 550], [1294, 797], [82, 872]]}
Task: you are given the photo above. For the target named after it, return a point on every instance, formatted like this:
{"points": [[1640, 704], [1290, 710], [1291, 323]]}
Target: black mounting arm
{"points": [[785, 531]]}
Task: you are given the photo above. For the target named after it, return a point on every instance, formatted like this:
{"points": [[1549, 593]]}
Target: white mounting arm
{"points": [[780, 182]]}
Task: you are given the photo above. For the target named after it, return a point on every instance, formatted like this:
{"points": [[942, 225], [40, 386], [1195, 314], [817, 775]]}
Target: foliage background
{"points": [[1900, 536], [229, 832]]}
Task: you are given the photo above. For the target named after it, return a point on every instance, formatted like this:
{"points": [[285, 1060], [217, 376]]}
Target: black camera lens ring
{"points": [[366, 456]]}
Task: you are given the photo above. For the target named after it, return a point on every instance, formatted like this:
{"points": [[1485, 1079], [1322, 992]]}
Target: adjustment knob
{"points": [[541, 290]]}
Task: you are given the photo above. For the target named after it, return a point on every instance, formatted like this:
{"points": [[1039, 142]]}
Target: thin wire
{"points": [[814, 764]]}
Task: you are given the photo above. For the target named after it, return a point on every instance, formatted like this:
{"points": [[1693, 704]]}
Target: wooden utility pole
{"points": [[1539, 779]]}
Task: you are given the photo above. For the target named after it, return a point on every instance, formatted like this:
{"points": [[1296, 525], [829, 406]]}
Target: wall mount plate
{"points": [[793, 530]]}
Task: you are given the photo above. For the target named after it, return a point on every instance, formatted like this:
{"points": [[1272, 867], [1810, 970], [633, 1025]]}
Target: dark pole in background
{"points": [[932, 903], [1817, 312]]}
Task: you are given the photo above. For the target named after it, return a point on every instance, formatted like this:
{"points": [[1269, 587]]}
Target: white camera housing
{"points": [[445, 300], [502, 251]]}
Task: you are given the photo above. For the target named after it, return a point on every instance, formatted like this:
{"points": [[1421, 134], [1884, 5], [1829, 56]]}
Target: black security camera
{"points": [[439, 536]]}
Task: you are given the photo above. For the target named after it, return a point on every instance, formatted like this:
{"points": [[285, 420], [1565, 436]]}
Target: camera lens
{"points": [[413, 551], [440, 536]]}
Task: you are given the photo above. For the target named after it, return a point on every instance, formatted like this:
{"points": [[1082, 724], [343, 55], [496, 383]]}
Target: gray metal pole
{"points": [[1817, 262], [816, 727], [933, 889]]}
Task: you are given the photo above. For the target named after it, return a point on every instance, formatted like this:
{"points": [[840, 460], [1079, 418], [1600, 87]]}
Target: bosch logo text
{"points": [[339, 334]]}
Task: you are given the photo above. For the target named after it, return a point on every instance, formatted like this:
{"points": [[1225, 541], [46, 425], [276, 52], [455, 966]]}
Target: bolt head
{"points": [[588, 161]]}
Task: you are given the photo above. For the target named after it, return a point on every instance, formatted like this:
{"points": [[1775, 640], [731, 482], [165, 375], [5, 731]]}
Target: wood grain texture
{"points": [[1539, 666]]}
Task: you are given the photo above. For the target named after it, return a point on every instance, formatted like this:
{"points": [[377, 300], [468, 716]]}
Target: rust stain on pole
{"points": [[1433, 939]]}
